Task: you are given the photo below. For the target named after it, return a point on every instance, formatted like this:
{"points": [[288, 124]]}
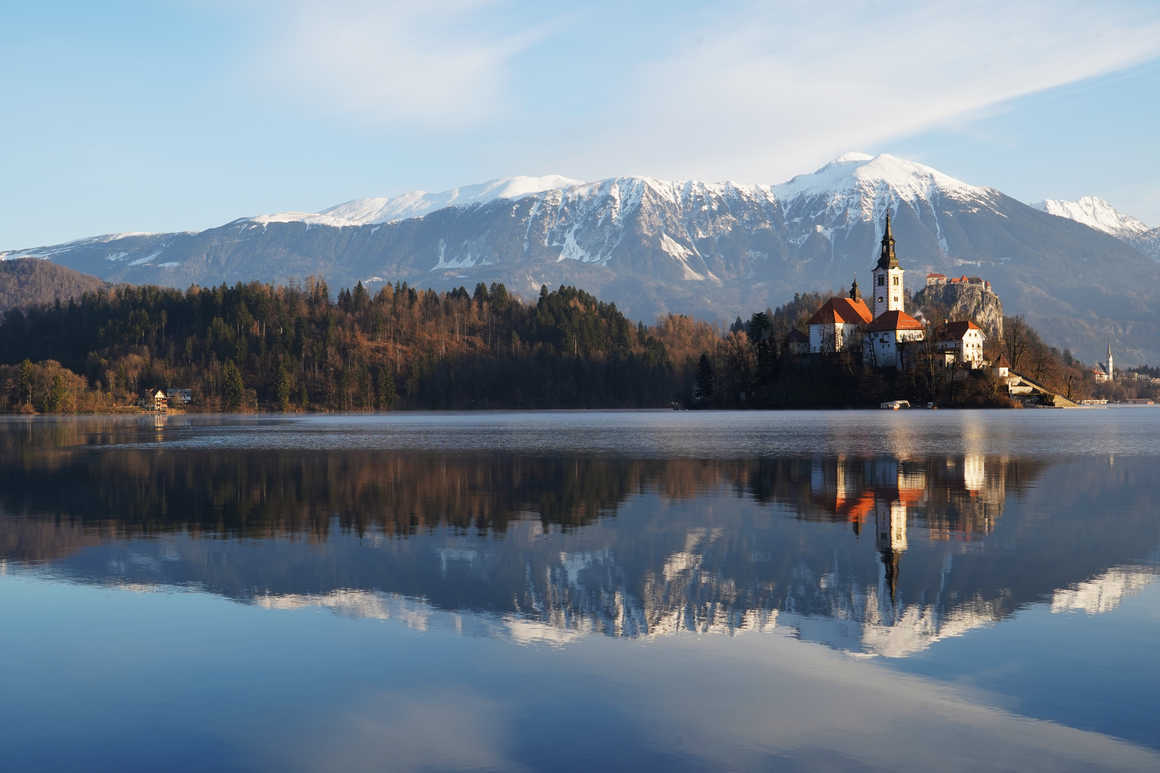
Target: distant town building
{"points": [[181, 395], [935, 280]]}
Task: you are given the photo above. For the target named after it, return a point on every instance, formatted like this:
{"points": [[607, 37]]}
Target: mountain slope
{"points": [[1148, 243], [712, 249], [1096, 213], [29, 282]]}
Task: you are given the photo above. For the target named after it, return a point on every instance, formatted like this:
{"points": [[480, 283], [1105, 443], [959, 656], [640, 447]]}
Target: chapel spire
{"points": [[886, 258], [887, 288]]}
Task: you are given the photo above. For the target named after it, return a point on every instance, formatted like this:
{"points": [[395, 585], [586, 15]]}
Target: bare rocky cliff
{"points": [[962, 301]]}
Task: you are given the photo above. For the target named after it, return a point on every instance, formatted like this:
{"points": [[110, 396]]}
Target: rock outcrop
{"points": [[961, 300]]}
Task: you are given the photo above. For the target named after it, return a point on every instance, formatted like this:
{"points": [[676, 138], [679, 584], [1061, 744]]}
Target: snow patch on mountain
{"points": [[384, 209], [309, 218], [681, 254], [1096, 213]]}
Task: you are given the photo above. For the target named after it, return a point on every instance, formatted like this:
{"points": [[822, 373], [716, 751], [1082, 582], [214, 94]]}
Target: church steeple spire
{"points": [[887, 259], [887, 275]]}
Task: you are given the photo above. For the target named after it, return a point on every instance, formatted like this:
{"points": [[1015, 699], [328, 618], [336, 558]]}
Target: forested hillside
{"points": [[32, 281], [288, 348], [260, 347]]}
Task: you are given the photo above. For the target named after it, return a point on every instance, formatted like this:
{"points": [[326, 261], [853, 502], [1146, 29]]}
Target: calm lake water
{"points": [[925, 590]]}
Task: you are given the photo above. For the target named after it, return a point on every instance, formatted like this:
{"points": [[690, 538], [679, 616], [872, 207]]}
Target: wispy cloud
{"points": [[761, 90], [437, 63], [753, 91]]}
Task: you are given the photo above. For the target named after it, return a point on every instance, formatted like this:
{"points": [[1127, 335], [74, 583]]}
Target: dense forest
{"points": [[32, 281], [260, 347]]}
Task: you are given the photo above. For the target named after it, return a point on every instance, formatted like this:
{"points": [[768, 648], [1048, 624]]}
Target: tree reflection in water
{"points": [[869, 553]]}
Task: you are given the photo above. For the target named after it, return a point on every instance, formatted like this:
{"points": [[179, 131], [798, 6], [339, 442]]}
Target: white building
{"points": [[837, 325], [888, 336], [888, 284], [961, 343], [1002, 367]]}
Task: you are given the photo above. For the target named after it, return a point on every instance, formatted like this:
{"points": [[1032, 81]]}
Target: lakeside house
{"points": [[182, 395], [961, 343], [1002, 367], [155, 400]]}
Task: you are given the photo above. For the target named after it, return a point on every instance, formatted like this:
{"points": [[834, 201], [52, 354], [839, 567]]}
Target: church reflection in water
{"points": [[873, 554]]}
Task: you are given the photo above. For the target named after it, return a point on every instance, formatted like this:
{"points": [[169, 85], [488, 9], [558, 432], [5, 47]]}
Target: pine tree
{"points": [[233, 388]]}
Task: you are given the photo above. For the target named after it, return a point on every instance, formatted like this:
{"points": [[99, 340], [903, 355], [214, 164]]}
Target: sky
{"points": [[185, 114]]}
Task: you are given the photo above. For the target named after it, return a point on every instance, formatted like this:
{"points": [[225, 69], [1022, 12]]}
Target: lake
{"points": [[913, 590]]}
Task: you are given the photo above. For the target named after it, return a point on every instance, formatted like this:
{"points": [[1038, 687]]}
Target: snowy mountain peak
{"points": [[884, 173], [853, 155], [1096, 213], [420, 203], [387, 209], [857, 182]]}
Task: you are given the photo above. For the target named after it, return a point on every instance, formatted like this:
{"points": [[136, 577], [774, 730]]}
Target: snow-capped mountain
{"points": [[712, 249], [388, 209], [1096, 213]]}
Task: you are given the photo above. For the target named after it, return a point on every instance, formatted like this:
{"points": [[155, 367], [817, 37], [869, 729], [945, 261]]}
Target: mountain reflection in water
{"points": [[873, 553]]}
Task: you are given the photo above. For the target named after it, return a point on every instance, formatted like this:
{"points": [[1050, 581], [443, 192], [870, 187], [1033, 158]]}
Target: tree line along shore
{"points": [[258, 347]]}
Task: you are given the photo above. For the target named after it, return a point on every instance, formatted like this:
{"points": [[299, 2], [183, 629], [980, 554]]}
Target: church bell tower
{"points": [[887, 286]]}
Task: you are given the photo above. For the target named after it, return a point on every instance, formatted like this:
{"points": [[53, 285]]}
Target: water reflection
{"points": [[880, 553]]}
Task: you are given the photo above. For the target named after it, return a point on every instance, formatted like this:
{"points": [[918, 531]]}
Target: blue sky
{"points": [[184, 114]]}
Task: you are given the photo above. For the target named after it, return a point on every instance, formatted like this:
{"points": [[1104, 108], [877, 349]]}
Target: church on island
{"points": [[887, 336]]}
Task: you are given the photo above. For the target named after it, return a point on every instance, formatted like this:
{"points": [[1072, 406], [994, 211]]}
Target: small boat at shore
{"points": [[894, 405]]}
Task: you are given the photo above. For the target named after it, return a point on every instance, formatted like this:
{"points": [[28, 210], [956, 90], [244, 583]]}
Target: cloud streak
{"points": [[759, 92], [745, 90], [435, 64]]}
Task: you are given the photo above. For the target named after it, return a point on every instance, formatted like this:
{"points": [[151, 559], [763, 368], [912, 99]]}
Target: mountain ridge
{"points": [[714, 250], [1097, 213]]}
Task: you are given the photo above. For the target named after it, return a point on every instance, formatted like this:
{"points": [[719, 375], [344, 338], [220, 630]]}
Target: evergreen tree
{"points": [[233, 388]]}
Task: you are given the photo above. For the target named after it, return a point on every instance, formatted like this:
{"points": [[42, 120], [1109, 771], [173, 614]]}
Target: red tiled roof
{"points": [[954, 331], [1003, 362], [844, 310], [894, 320], [936, 276]]}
